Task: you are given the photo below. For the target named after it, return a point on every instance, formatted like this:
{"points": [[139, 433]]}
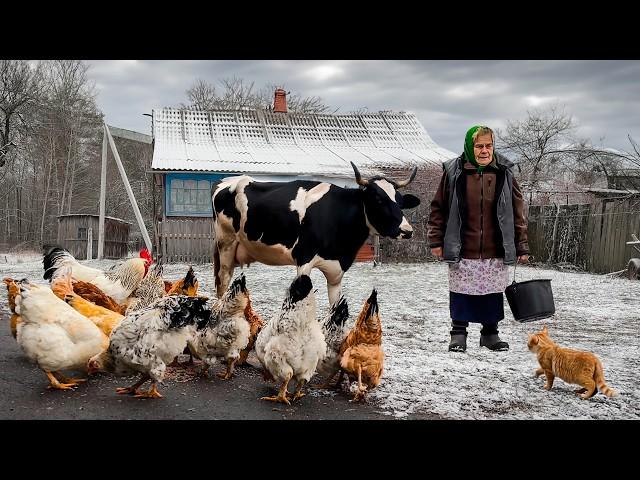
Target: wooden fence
{"points": [[191, 241], [186, 240], [591, 236]]}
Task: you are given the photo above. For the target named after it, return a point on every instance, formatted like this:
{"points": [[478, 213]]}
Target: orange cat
{"points": [[572, 366]]}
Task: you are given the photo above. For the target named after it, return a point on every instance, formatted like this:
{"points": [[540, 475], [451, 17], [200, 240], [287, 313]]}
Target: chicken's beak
{"points": [[24, 285]]}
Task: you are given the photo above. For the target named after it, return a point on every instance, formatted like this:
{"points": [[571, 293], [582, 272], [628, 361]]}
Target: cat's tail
{"points": [[598, 376]]}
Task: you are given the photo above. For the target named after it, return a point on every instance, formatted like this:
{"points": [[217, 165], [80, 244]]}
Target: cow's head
{"points": [[383, 204]]}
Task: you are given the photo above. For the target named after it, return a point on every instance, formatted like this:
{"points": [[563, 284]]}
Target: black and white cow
{"points": [[304, 223]]}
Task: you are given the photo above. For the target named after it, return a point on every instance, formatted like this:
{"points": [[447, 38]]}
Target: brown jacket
{"points": [[480, 235]]}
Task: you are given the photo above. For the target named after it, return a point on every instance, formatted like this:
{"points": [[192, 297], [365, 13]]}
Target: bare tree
{"points": [[539, 142], [20, 88], [295, 102], [202, 96], [238, 94], [49, 108]]}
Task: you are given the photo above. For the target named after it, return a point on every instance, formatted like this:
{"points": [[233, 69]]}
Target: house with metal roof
{"points": [[193, 149]]}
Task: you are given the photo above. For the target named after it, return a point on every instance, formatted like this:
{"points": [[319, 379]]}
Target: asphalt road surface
{"points": [[24, 395]]}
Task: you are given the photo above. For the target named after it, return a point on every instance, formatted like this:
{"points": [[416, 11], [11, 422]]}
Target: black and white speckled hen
{"points": [[147, 340]]}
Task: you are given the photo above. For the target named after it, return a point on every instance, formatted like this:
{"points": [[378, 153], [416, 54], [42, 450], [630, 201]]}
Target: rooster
{"points": [[54, 335], [105, 319], [335, 332], [361, 353], [147, 340], [292, 342], [117, 283], [226, 333], [12, 291]]}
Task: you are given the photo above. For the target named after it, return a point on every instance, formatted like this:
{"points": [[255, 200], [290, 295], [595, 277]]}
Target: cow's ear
{"points": [[409, 201]]}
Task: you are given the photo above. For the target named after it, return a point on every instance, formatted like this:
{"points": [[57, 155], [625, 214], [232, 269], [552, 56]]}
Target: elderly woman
{"points": [[477, 224]]}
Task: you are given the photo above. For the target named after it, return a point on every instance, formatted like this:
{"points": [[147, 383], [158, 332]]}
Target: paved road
{"points": [[24, 395]]}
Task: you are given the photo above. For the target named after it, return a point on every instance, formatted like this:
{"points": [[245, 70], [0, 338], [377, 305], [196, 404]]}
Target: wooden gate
{"points": [[186, 240]]}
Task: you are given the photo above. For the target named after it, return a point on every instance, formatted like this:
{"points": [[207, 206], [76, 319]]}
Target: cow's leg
{"points": [[333, 273], [225, 256]]}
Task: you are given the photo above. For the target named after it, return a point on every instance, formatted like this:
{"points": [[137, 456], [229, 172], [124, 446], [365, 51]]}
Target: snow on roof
{"points": [[258, 141]]}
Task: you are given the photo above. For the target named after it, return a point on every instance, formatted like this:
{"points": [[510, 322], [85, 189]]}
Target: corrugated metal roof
{"points": [[256, 141], [129, 134]]}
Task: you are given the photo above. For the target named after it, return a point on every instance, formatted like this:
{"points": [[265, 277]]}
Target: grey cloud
{"points": [[602, 95]]}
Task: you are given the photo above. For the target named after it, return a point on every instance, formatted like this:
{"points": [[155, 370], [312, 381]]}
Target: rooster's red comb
{"points": [[144, 253]]}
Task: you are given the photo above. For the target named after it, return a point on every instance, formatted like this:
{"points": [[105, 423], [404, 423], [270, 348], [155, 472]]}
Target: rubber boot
{"points": [[489, 338], [458, 337]]}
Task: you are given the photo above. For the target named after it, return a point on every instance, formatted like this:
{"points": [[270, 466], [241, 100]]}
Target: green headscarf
{"points": [[468, 148]]}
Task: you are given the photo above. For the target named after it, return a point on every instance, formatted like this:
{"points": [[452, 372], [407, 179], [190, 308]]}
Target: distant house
{"points": [[193, 149]]}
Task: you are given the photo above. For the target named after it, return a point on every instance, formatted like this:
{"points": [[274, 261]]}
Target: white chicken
{"points": [[227, 332], [292, 343], [118, 283], [335, 331], [147, 340], [54, 335]]}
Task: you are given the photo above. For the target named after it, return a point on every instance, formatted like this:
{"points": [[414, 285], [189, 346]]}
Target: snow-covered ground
{"points": [[593, 312]]}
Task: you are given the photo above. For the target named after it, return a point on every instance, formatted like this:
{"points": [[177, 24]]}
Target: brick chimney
{"points": [[280, 101]]}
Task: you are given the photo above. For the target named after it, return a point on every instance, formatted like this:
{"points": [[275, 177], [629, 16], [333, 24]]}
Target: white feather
{"points": [[292, 342], [53, 334], [143, 341]]}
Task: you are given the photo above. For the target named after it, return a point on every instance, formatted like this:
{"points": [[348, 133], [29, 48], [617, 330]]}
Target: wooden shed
{"points": [[74, 231]]}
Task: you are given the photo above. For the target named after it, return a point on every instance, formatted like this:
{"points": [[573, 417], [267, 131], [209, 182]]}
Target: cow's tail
{"points": [[216, 263], [214, 187]]}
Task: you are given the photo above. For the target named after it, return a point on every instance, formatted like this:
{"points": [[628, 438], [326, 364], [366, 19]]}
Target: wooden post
{"points": [[376, 250], [90, 243], [127, 187], [103, 194]]}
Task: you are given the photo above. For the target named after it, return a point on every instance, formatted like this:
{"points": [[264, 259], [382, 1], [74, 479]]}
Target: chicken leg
{"points": [[152, 393], [227, 374], [57, 385], [71, 381], [204, 371], [133, 388], [282, 394], [299, 393], [243, 357], [361, 388]]}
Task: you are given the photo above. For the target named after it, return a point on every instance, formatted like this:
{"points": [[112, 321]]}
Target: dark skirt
{"points": [[486, 309]]}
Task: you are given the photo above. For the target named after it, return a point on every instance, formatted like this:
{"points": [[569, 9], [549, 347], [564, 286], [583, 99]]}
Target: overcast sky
{"points": [[448, 97]]}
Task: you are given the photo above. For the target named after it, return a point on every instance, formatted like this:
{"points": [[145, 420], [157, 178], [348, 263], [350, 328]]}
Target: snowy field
{"points": [[593, 312]]}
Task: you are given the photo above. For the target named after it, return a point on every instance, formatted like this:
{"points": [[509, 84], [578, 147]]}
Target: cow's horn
{"points": [[404, 183], [359, 179]]}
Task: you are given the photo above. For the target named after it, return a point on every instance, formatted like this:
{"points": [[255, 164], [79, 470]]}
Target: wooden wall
{"points": [[592, 236], [116, 236]]}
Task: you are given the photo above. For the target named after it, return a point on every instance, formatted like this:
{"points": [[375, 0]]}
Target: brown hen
{"points": [[361, 353]]}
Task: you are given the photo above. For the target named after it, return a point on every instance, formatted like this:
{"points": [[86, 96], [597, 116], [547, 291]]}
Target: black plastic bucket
{"points": [[531, 300]]}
